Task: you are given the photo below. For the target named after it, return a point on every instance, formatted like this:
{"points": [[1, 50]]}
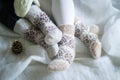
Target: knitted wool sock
{"points": [[34, 34], [40, 19], [66, 53], [65, 20], [89, 39]]}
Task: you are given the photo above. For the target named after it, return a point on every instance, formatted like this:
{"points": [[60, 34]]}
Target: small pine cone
{"points": [[17, 47]]}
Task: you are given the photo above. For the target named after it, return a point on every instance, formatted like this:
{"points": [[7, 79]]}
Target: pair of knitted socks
{"points": [[39, 29], [64, 15]]}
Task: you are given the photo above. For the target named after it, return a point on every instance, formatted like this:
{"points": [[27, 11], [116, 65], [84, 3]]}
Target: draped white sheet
{"points": [[32, 63]]}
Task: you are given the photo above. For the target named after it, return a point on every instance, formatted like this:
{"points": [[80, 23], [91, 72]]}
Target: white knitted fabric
{"points": [[33, 34], [22, 6], [40, 19], [63, 13], [88, 38]]}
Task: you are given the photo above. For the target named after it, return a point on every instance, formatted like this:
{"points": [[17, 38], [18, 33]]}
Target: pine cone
{"points": [[17, 47]]}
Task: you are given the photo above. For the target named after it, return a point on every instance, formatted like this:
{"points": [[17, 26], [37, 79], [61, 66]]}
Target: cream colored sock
{"points": [[63, 12], [40, 19], [66, 53], [34, 34], [89, 38]]}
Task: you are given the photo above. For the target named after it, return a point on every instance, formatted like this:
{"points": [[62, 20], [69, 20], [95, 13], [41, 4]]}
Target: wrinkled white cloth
{"points": [[32, 63]]}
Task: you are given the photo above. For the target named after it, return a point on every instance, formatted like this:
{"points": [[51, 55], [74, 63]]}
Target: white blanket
{"points": [[32, 63]]}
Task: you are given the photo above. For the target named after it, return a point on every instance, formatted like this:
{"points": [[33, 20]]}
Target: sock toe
{"points": [[58, 65], [96, 50]]}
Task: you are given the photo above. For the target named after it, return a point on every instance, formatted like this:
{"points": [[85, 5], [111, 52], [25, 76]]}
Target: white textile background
{"points": [[32, 63]]}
